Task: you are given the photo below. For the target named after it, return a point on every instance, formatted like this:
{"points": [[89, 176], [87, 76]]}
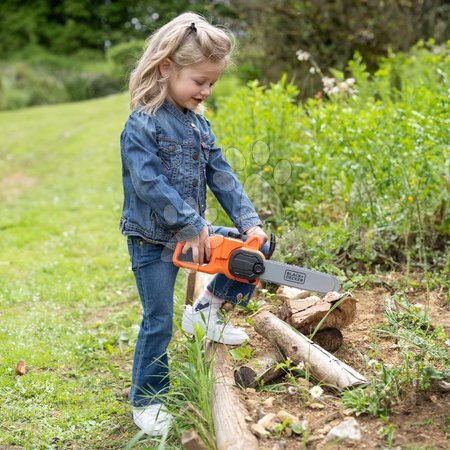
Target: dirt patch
{"points": [[422, 425], [15, 185]]}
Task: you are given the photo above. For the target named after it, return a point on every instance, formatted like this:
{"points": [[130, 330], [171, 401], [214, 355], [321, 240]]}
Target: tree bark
{"points": [[324, 366], [305, 314], [232, 432]]}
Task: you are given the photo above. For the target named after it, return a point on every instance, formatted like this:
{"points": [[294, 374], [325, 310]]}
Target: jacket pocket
{"points": [[170, 153]]}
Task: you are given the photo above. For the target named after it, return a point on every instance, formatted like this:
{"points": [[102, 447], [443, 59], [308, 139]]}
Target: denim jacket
{"points": [[167, 161]]}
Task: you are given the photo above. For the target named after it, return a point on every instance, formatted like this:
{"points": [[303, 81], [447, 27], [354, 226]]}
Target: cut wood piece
{"points": [[329, 339], [305, 315], [190, 440], [190, 286], [262, 369], [291, 293], [232, 432], [324, 366], [196, 283]]}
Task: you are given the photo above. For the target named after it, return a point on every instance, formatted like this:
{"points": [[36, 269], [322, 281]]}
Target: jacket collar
{"points": [[172, 109]]}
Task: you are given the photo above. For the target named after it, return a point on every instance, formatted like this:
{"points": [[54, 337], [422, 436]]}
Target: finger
{"points": [[201, 252], [208, 249], [185, 248], [195, 254]]}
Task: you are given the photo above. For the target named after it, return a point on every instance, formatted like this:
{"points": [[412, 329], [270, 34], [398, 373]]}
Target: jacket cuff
{"points": [[247, 221], [191, 230]]}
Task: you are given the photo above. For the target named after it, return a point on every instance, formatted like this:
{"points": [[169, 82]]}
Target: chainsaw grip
{"points": [[215, 241], [177, 262]]}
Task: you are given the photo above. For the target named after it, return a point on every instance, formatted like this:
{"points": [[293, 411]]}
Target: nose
{"points": [[206, 91]]}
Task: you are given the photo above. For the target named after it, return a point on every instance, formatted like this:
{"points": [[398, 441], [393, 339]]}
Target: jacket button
{"points": [[171, 148], [195, 183], [195, 156]]}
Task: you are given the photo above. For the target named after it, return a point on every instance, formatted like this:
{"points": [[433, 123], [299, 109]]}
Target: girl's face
{"points": [[191, 85]]}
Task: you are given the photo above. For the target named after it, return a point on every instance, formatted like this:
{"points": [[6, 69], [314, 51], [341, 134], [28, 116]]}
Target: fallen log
{"points": [[261, 370], [324, 366], [232, 432]]}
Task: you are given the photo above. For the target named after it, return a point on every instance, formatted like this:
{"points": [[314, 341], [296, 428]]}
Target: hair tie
{"points": [[192, 27]]}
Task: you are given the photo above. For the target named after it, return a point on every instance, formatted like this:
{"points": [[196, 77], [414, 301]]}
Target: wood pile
{"points": [[306, 331]]}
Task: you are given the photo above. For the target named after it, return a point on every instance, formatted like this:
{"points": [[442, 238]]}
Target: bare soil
{"points": [[15, 185], [422, 423]]}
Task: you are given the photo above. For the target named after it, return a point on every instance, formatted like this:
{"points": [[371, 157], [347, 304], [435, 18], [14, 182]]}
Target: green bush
{"points": [[332, 31], [41, 78], [24, 85], [356, 180], [124, 57]]}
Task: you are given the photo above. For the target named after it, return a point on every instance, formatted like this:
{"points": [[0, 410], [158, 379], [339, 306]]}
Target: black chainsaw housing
{"points": [[246, 265]]}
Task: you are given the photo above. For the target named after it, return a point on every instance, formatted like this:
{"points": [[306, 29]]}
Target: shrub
{"points": [[359, 179], [124, 57], [43, 78]]}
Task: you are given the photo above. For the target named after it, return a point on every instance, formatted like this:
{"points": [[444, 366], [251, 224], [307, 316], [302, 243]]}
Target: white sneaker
{"points": [[216, 330], [153, 419]]}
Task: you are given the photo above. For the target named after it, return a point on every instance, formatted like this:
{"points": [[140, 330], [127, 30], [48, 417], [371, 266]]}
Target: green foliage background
{"points": [[68, 50], [70, 26], [356, 181]]}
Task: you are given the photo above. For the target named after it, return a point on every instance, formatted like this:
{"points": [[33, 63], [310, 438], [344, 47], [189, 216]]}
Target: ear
{"points": [[165, 67]]}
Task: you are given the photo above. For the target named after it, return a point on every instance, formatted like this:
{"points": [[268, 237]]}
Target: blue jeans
{"points": [[155, 276]]}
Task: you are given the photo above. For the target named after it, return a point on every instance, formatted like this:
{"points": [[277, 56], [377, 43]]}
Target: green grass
{"points": [[68, 305]]}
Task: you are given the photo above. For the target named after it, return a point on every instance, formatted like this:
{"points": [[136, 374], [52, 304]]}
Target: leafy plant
{"points": [[357, 181], [242, 353]]}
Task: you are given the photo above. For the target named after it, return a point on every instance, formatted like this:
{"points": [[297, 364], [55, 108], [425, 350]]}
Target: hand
{"points": [[199, 245], [257, 230]]}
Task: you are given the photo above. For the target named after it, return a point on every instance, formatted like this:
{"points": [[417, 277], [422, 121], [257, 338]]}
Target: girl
{"points": [[169, 155]]}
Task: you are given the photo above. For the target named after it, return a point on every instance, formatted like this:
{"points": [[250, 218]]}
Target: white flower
{"points": [[334, 90], [350, 81], [372, 363], [302, 55], [328, 82], [292, 390], [301, 365], [316, 391], [312, 70], [305, 424], [344, 86]]}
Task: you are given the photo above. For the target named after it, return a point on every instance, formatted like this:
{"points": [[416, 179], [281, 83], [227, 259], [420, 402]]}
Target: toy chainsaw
{"points": [[244, 262]]}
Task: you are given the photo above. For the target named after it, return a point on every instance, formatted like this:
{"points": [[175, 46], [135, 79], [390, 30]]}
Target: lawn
{"points": [[68, 305]]}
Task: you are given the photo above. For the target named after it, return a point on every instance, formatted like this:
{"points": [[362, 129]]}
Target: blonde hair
{"points": [[183, 45]]}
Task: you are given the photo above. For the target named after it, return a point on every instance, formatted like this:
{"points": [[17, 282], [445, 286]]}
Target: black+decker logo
{"points": [[294, 277]]}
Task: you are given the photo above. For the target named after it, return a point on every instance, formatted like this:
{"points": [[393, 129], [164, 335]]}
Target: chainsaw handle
{"points": [[215, 241], [221, 249]]}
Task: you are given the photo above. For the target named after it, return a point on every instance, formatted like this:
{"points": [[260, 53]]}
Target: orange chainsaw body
{"points": [[222, 251]]}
